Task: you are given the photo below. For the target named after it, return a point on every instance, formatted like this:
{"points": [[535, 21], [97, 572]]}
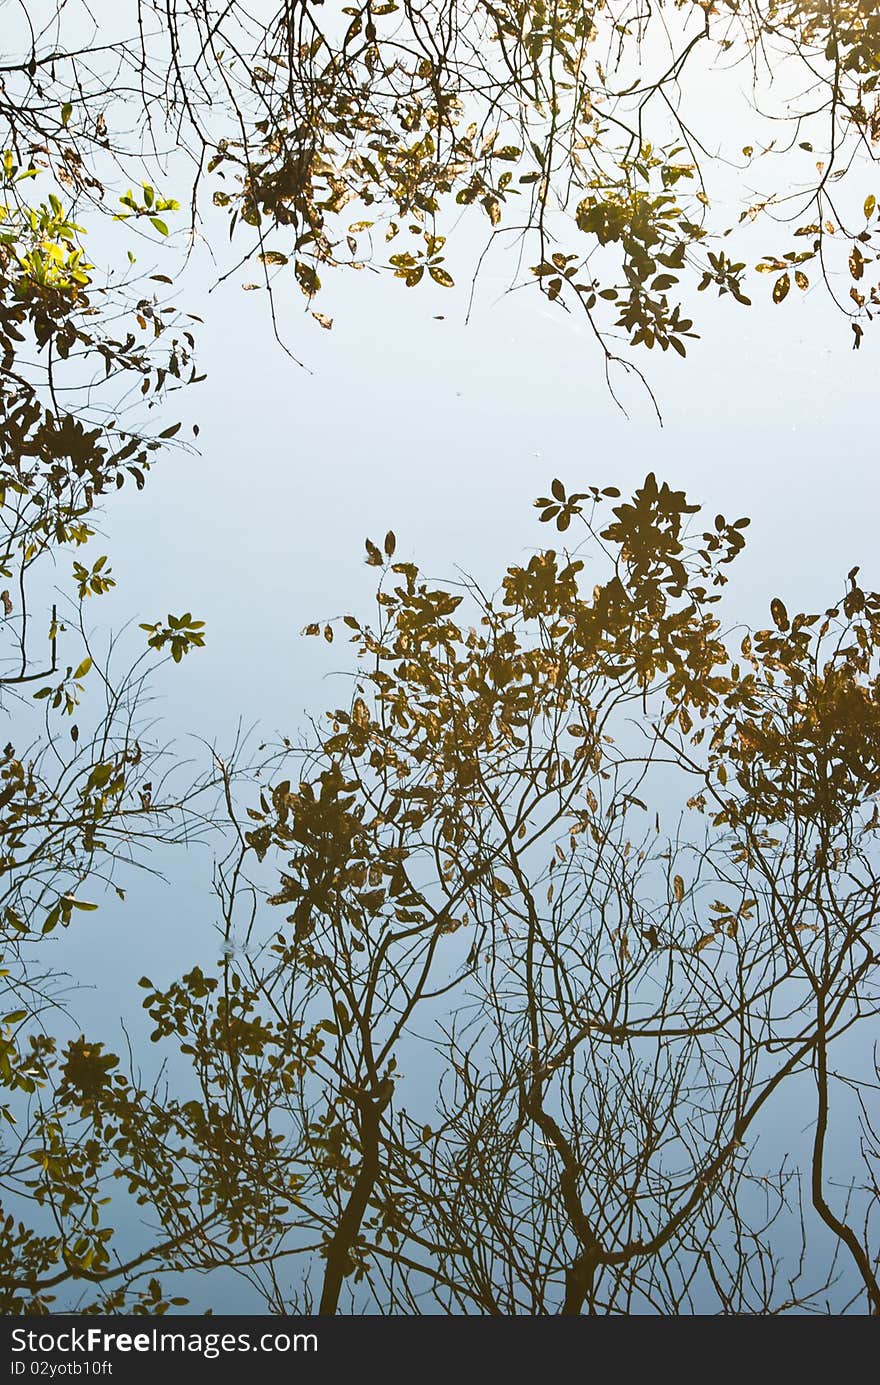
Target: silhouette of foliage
{"points": [[512, 1044], [405, 139], [518, 1044]]}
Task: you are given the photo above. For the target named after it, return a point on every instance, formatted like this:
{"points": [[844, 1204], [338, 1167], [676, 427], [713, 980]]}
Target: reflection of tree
{"points": [[86, 791], [478, 892], [605, 1019], [344, 136]]}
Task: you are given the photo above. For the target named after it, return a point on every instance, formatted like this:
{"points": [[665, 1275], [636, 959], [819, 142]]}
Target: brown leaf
{"points": [[779, 614]]}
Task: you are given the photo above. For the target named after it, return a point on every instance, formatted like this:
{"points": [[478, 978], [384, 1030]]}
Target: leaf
{"points": [[780, 288], [159, 225], [390, 544], [678, 888], [870, 206], [779, 614], [66, 113], [325, 321], [441, 277], [801, 280], [272, 257]]}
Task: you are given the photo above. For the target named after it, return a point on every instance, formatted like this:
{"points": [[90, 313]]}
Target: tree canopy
{"points": [[585, 137]]}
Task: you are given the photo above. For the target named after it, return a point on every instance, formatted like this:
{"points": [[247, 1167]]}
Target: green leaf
{"points": [[159, 225]]}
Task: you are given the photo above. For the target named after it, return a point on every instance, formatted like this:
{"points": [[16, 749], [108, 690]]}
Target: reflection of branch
{"points": [[341, 1243], [8, 680], [155, 1254], [840, 1228]]}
